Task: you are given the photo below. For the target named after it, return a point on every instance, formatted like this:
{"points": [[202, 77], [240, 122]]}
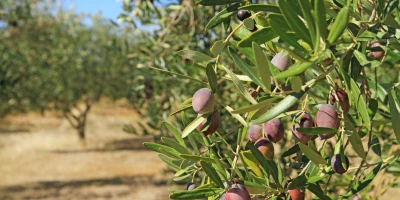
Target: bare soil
{"points": [[41, 157]]}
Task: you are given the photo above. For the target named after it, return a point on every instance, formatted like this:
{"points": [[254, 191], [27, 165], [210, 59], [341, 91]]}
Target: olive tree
{"points": [[319, 86]]}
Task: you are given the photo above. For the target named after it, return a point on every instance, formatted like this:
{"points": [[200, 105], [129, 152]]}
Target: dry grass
{"points": [[42, 158]]}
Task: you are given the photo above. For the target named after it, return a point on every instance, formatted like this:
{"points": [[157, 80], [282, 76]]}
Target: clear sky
{"points": [[109, 8]]}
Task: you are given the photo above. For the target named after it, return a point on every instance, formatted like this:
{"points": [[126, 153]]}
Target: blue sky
{"points": [[109, 8]]}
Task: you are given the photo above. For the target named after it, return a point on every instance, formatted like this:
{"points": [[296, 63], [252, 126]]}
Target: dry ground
{"points": [[41, 158]]}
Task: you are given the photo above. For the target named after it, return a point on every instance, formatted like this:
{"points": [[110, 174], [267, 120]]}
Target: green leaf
{"points": [[358, 100], [219, 2], [199, 193], [292, 150], [261, 7], [246, 51], [296, 82], [319, 9], [236, 116], [242, 32], [180, 75], [210, 171], [263, 67], [355, 141], [257, 106], [298, 182], [245, 68], [252, 162], [316, 130], [268, 164], [167, 160], [193, 125], [361, 58], [222, 16], [295, 70], [197, 158], [376, 146], [260, 36], [277, 27], [316, 189], [162, 149], [372, 108], [212, 78], [395, 111], [240, 86], [294, 21], [181, 109], [194, 56], [280, 107], [306, 8], [361, 184], [218, 47], [311, 154], [175, 145], [175, 133], [249, 23]]}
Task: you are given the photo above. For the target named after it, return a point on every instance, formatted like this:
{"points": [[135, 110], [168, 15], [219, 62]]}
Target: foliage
{"points": [[331, 44]]}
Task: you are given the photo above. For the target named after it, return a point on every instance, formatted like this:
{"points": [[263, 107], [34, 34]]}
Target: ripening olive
{"points": [[296, 194], [274, 130], [305, 121], [236, 192], [337, 166], [191, 186], [343, 100], [265, 147], [213, 123], [243, 14], [377, 54], [254, 132], [327, 117], [203, 101]]}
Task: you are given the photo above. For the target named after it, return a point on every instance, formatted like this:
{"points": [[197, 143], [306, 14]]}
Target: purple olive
{"points": [[343, 100], [191, 186], [203, 101], [254, 132], [327, 117], [281, 61], [305, 121], [377, 54], [274, 130], [243, 14], [265, 147], [236, 192], [213, 123], [337, 166]]}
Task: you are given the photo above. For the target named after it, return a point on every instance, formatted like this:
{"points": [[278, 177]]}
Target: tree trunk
{"points": [[81, 131]]}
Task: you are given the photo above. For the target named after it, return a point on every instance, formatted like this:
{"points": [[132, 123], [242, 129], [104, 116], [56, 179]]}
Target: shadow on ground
{"points": [[112, 188]]}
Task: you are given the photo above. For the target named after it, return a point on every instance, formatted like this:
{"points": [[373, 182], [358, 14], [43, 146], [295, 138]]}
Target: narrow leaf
{"points": [[240, 86], [257, 106], [162, 149], [316, 130], [395, 112], [295, 70], [261, 7], [311, 154], [356, 142], [194, 56], [221, 16], [280, 107], [359, 101], [260, 36], [212, 78], [263, 67], [193, 125], [245, 68], [175, 133], [175, 145], [210, 171]]}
